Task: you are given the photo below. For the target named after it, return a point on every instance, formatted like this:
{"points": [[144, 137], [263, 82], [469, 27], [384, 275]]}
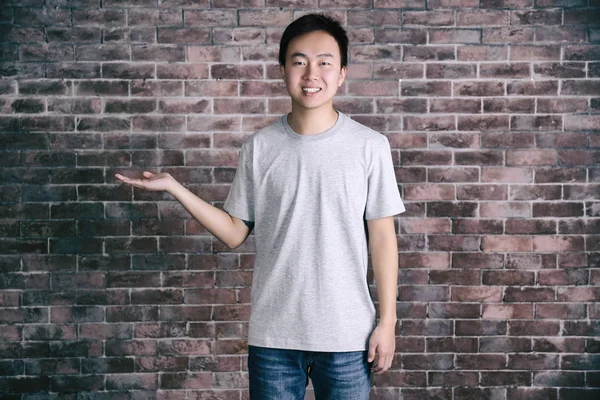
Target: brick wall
{"points": [[492, 109]]}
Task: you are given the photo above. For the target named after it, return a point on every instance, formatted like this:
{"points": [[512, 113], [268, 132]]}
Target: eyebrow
{"points": [[297, 54]]}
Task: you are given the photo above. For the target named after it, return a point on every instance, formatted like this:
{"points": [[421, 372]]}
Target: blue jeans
{"points": [[280, 374]]}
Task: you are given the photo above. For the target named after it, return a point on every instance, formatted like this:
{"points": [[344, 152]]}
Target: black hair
{"points": [[311, 23]]}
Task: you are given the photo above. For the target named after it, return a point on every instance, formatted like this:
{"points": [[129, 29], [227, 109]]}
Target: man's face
{"points": [[312, 72]]}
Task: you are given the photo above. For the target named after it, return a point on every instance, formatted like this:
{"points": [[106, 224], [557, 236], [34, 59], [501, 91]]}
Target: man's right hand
{"points": [[162, 181]]}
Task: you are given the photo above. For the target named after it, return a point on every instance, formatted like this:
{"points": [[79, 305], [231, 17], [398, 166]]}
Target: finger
{"points": [[148, 174], [134, 182]]}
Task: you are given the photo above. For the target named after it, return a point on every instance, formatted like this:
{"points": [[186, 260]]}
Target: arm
{"points": [[384, 256], [229, 230]]}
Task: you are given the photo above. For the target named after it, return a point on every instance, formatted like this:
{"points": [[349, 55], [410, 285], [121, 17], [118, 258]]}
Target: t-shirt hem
{"points": [[238, 215], [275, 344], [386, 214]]}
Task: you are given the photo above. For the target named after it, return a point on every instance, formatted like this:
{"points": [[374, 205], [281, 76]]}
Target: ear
{"points": [[282, 71], [342, 77]]}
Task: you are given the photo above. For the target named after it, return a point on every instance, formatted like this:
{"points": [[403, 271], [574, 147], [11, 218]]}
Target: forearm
{"points": [[215, 220], [384, 257]]}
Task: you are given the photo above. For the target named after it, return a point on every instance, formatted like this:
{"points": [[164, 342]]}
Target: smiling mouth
{"points": [[311, 90]]}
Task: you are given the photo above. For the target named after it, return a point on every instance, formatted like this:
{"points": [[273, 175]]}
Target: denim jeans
{"points": [[280, 374]]}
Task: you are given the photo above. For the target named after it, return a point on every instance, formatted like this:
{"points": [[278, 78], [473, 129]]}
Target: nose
{"points": [[310, 72]]}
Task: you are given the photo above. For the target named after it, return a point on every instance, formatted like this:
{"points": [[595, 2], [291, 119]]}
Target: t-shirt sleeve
{"points": [[383, 197], [240, 200]]}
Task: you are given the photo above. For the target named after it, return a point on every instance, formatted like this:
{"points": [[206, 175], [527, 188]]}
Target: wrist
{"points": [[387, 322], [173, 186]]}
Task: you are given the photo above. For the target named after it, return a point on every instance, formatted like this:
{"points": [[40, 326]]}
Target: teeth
{"points": [[311, 90]]}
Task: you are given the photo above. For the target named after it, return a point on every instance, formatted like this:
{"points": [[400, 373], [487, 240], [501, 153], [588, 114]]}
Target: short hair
{"points": [[311, 23]]}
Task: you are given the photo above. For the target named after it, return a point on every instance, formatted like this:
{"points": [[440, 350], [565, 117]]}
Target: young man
{"points": [[318, 189]]}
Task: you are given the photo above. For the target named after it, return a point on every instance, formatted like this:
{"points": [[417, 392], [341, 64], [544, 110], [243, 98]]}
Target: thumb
{"points": [[147, 174], [371, 353]]}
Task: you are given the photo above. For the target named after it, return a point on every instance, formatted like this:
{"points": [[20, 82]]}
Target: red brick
{"points": [[455, 276], [533, 362], [482, 192], [582, 52], [482, 53], [533, 328], [561, 140], [447, 36], [480, 361], [546, 122], [190, 380], [424, 53], [579, 294], [397, 71], [427, 89], [482, 18], [559, 345], [562, 175], [422, 293], [454, 310], [429, 18], [264, 18], [505, 378], [425, 226], [509, 106], [523, 227], [479, 157], [453, 243], [560, 311], [395, 35], [578, 157], [565, 209], [427, 327], [209, 18], [506, 35], [531, 157], [450, 379], [532, 88], [535, 53], [477, 260], [475, 293], [528, 294], [556, 378], [425, 157], [453, 174], [427, 361], [559, 70], [479, 89]]}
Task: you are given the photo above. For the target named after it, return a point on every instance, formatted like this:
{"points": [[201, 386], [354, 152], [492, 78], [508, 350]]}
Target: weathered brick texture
{"points": [[492, 110]]}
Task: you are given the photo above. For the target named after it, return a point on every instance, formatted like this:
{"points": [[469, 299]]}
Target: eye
{"points": [[325, 63], [298, 63]]}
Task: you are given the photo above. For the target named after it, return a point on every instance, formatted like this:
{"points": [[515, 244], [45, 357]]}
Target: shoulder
{"points": [[370, 137], [263, 135]]}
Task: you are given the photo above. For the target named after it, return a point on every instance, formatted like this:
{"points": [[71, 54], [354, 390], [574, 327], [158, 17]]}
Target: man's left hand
{"points": [[381, 348]]}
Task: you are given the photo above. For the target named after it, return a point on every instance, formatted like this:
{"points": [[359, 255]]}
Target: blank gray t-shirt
{"points": [[309, 197]]}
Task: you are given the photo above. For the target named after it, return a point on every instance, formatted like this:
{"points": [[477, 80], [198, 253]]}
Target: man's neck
{"points": [[312, 122]]}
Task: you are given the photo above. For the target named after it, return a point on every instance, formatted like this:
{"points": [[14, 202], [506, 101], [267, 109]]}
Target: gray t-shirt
{"points": [[309, 197]]}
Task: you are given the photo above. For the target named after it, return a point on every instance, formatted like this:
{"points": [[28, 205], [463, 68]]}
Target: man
{"points": [[318, 189]]}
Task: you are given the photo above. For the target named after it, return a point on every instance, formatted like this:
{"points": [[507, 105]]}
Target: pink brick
{"points": [[507, 311], [420, 260], [558, 243], [429, 192], [505, 210], [506, 243], [425, 226]]}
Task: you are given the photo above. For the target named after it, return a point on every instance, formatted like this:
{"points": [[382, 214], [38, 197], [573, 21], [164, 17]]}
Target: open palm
{"points": [[155, 182]]}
